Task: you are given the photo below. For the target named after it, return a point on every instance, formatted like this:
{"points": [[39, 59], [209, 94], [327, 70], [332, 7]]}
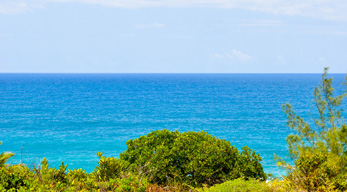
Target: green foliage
{"points": [[240, 185], [194, 158], [131, 184], [77, 174], [46, 173], [109, 167], [15, 177], [159, 161], [317, 171], [44, 178], [4, 157], [250, 166], [319, 150]]}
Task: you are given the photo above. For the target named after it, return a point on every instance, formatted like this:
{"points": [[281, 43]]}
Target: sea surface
{"points": [[70, 117]]}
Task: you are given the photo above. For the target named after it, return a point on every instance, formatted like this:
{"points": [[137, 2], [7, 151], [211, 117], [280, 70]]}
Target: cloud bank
{"points": [[324, 9]]}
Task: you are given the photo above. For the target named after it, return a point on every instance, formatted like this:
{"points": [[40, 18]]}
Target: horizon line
{"points": [[154, 73]]}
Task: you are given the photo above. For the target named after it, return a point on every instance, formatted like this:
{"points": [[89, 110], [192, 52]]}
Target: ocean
{"points": [[71, 117]]}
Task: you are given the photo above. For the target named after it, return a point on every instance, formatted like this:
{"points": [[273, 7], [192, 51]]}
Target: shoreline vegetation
{"points": [[196, 161]]}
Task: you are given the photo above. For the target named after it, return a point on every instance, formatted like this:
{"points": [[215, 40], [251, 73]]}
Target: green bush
{"points": [[240, 185], [109, 168], [194, 158], [16, 177]]}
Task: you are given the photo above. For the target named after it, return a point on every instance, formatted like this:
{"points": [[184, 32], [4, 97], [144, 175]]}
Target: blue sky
{"points": [[173, 36]]}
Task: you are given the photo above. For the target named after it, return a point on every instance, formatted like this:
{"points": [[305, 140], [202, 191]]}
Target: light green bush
{"points": [[240, 185]]}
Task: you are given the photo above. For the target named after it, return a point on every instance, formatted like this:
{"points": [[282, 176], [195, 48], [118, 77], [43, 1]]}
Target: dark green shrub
{"points": [[194, 158]]}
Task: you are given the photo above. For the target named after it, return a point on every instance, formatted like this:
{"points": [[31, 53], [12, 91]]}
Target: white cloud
{"points": [[235, 55], [19, 6], [327, 9]]}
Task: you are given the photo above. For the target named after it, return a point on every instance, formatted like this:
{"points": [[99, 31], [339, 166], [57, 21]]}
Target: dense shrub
{"points": [[194, 158]]}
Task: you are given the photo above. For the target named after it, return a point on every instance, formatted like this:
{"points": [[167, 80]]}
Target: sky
{"points": [[173, 36]]}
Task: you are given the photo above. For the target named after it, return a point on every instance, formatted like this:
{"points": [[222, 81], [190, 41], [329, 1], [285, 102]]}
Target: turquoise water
{"points": [[70, 117]]}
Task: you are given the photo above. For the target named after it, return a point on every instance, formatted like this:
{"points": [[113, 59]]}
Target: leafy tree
{"points": [[194, 158], [319, 150]]}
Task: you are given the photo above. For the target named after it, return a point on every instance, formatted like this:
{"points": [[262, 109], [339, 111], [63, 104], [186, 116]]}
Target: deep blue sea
{"points": [[70, 117]]}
